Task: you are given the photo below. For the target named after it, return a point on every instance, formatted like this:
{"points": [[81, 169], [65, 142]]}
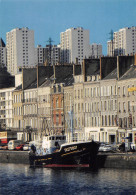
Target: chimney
{"points": [[76, 61], [37, 76], [135, 59], [22, 78], [118, 67], [100, 68], [73, 69], [46, 63], [54, 70], [83, 69]]}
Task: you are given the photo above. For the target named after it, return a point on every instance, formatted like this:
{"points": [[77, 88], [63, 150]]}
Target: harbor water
{"points": [[18, 179]]}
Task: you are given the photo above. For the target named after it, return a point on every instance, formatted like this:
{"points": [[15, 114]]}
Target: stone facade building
{"points": [[108, 101], [30, 108], [127, 102], [68, 109], [18, 108], [92, 101], [57, 105]]}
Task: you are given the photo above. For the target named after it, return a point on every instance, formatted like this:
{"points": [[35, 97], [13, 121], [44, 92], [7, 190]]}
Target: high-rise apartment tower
{"points": [[95, 50], [124, 42], [49, 55], [20, 49], [75, 44]]}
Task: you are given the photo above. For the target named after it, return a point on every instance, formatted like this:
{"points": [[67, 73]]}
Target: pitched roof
{"points": [[61, 72], [6, 80], [18, 87], [69, 80], [112, 75], [32, 85], [44, 72], [77, 69], [92, 67], [47, 81], [130, 74]]}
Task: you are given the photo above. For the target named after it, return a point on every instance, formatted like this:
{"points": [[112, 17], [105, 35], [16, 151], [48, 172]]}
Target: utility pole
{"points": [[111, 38], [50, 51]]}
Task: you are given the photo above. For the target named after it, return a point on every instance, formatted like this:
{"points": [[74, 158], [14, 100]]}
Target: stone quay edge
{"points": [[103, 160]]}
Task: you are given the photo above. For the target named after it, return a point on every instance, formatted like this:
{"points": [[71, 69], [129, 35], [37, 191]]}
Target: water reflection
{"points": [[20, 179]]}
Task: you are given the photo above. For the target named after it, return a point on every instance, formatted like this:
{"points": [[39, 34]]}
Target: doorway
{"points": [[111, 139]]}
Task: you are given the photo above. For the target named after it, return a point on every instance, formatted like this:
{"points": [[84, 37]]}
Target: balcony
{"points": [[29, 100], [2, 107], [30, 115], [2, 98], [3, 116]]}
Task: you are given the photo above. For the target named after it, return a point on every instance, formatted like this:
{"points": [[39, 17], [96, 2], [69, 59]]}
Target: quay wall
{"points": [[103, 160], [117, 160], [18, 157]]}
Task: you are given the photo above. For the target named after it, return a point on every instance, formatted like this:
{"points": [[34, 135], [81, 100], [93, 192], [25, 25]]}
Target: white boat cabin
{"points": [[50, 144]]}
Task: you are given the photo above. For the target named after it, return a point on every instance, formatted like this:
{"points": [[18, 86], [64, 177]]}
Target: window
{"points": [[61, 103], [124, 107], [111, 104], [132, 91], [105, 120], [128, 106], [102, 121], [78, 107], [111, 90], [59, 88], [105, 105], [78, 94], [123, 90], [57, 103], [112, 119], [115, 90], [109, 120], [119, 91], [119, 107]]}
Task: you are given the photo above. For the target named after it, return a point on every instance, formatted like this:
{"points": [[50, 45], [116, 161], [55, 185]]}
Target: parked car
{"points": [[13, 144], [26, 147], [105, 148], [3, 147], [19, 147]]}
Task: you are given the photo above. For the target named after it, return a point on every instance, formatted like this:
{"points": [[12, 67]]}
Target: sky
{"points": [[48, 18]]}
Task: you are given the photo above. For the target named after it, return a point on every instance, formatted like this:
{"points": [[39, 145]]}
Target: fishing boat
{"points": [[56, 152]]}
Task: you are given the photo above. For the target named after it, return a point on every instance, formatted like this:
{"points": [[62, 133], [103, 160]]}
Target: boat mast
{"points": [[71, 120]]}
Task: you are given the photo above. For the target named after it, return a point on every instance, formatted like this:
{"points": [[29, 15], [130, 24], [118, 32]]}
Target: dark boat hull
{"points": [[71, 155]]}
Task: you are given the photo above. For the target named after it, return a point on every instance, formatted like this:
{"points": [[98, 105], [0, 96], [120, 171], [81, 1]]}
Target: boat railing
{"points": [[83, 139]]}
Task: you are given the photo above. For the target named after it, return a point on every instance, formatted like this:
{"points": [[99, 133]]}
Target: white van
{"points": [[13, 144]]}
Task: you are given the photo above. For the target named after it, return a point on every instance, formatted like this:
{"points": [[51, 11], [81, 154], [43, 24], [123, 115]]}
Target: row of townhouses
{"points": [[94, 100]]}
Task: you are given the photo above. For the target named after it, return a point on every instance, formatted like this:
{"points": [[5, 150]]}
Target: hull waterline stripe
{"points": [[60, 165]]}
